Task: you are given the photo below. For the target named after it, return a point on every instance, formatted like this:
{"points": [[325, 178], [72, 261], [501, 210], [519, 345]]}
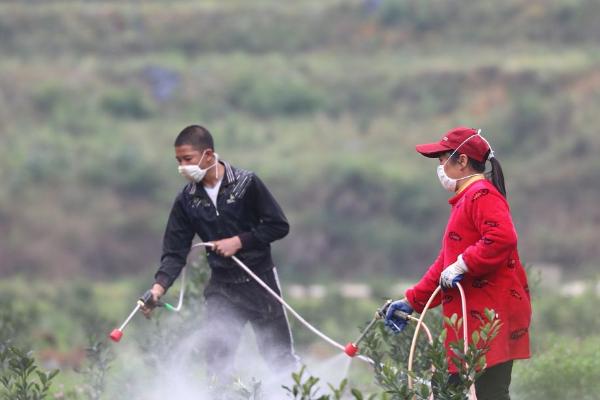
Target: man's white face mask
{"points": [[193, 172]]}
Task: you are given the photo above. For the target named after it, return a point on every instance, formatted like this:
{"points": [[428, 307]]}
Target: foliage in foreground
{"points": [[20, 377], [563, 366], [569, 369], [22, 380], [430, 375]]}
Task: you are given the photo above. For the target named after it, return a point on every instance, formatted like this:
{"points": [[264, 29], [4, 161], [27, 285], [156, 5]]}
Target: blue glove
{"points": [[453, 273], [394, 322]]}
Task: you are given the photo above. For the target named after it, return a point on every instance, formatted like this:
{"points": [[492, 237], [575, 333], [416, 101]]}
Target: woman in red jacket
{"points": [[479, 249]]}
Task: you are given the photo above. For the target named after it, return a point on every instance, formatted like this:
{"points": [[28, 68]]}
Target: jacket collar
{"points": [[472, 184], [229, 173], [228, 178]]}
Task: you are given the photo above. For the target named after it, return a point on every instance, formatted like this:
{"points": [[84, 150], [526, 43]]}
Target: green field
{"points": [[92, 95], [59, 322], [325, 100]]}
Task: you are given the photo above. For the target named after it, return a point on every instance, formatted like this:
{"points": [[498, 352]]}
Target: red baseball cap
{"points": [[475, 147]]}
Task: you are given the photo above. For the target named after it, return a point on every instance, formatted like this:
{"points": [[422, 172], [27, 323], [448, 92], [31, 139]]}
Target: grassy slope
{"points": [[324, 100]]}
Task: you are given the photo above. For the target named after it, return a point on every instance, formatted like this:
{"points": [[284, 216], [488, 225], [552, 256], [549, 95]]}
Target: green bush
{"points": [[49, 98], [421, 16], [127, 103], [268, 96], [20, 377], [527, 115], [13, 321], [65, 109], [307, 389], [567, 316], [569, 369], [430, 375]]}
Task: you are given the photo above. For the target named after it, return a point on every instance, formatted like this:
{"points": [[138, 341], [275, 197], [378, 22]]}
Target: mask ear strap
{"points": [[217, 164], [202, 157], [464, 141], [492, 154]]}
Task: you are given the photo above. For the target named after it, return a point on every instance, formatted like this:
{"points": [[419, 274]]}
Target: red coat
{"points": [[481, 229]]}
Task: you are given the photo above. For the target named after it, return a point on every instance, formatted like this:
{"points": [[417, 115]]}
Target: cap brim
{"points": [[432, 150]]}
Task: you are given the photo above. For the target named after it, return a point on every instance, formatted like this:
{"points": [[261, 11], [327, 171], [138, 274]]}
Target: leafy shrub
{"points": [[306, 389], [431, 374], [20, 377], [268, 96], [13, 321], [99, 358], [128, 103], [527, 115], [65, 109], [568, 316], [49, 98], [569, 369], [421, 16]]}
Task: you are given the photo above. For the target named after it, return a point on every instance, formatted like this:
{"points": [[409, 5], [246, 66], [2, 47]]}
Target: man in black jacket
{"points": [[234, 210]]}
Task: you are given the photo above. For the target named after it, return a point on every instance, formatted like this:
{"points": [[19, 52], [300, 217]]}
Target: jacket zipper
{"points": [[215, 205], [217, 202]]}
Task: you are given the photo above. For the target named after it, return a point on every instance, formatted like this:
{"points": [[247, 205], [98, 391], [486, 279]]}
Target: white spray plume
{"points": [[182, 375]]}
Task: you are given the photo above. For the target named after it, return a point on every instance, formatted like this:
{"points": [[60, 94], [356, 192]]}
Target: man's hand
{"points": [[227, 247], [453, 273], [157, 292]]}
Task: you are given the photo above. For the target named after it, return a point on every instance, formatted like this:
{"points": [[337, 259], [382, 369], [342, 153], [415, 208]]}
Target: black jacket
{"points": [[245, 208]]}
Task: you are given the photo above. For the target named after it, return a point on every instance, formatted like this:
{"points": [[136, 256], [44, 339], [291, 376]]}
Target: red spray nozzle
{"points": [[116, 335], [351, 349]]}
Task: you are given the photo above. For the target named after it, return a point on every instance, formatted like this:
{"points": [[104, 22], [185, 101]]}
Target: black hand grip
{"points": [[401, 314], [147, 298]]}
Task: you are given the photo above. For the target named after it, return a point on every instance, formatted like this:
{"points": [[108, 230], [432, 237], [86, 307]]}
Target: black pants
{"points": [[229, 306], [494, 383]]}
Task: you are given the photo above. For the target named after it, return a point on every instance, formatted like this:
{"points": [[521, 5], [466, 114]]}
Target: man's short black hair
{"points": [[197, 136]]}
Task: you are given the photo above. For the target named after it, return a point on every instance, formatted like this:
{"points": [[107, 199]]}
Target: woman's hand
{"points": [[396, 316], [453, 273]]}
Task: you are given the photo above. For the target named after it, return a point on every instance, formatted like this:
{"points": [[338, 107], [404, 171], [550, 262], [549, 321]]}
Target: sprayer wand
{"points": [[147, 299], [351, 348]]}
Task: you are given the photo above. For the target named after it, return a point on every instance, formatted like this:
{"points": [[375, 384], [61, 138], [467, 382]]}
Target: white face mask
{"points": [[194, 173], [448, 183]]}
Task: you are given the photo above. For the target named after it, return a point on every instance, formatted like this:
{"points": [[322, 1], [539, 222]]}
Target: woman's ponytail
{"points": [[497, 176]]}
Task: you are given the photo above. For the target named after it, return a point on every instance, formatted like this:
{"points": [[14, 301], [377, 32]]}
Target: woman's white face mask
{"points": [[193, 172], [450, 184], [447, 183]]}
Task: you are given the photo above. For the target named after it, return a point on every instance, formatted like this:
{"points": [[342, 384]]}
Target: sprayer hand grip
{"points": [[397, 322], [380, 313], [402, 314], [147, 299]]}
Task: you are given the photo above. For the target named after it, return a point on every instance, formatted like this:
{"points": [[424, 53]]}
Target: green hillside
{"points": [[323, 99]]}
